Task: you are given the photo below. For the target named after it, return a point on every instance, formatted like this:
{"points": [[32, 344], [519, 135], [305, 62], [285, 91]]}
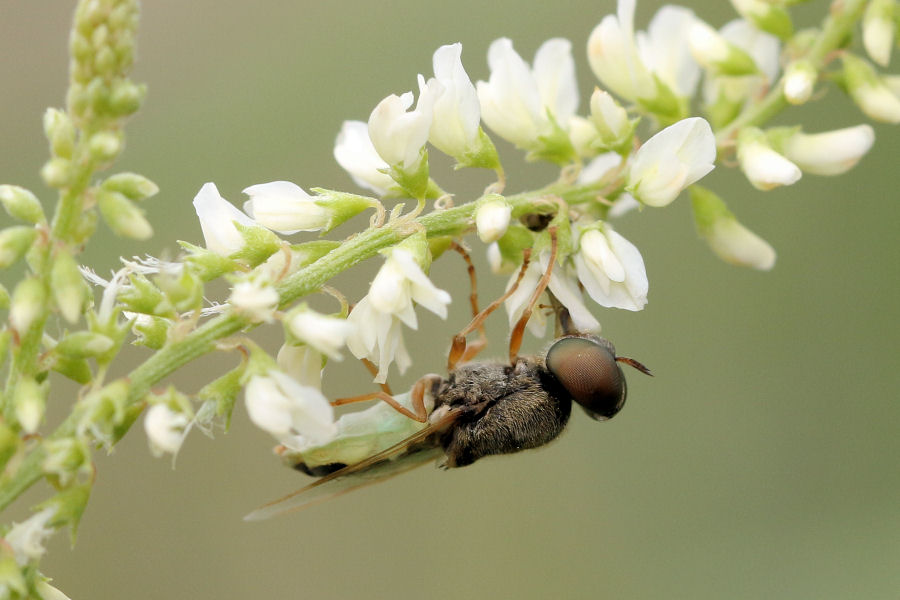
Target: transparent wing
{"points": [[381, 466]]}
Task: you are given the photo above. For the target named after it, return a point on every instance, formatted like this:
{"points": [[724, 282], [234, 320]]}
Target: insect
{"points": [[479, 409]]}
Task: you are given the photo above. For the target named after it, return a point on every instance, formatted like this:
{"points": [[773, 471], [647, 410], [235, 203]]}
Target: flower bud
{"points": [[60, 132], [284, 207], [67, 459], [799, 81], [126, 97], [830, 152], [716, 53], [612, 122], [27, 303], [69, 291], [84, 344], [671, 160], [133, 186], [151, 331], [878, 29], [104, 146], [21, 204], [731, 241], [29, 401], [57, 172], [14, 243], [492, 218], [165, 429], [870, 92], [613, 56], [764, 168], [254, 300], [325, 333], [766, 15], [122, 216]]}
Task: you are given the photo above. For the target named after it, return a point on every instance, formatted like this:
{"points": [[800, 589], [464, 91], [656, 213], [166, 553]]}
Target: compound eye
{"points": [[589, 372]]}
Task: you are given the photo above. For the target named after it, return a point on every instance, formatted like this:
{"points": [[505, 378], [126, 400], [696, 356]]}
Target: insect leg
{"points": [[374, 371], [419, 415], [515, 338], [458, 350]]}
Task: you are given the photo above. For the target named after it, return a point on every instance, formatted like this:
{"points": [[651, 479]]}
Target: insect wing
{"points": [[381, 466]]}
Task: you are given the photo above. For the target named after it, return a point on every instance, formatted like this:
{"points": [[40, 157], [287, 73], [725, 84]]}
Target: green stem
{"points": [[841, 19]]}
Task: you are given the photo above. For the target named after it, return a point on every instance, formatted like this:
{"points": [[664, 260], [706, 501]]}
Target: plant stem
{"points": [[836, 27]]}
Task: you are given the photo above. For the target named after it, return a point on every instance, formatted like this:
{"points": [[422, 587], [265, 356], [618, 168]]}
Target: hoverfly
{"points": [[478, 409]]}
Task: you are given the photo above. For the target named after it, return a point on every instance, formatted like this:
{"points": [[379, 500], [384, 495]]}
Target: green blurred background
{"points": [[760, 462]]}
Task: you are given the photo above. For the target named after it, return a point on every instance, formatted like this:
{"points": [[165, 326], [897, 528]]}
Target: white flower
{"points": [[799, 81], [353, 150], [707, 44], [324, 333], [563, 284], [878, 30], [492, 219], [876, 96], [378, 337], [398, 134], [611, 269], [610, 118], [735, 244], [298, 416], [830, 152], [614, 58], [665, 51], [399, 282], [302, 363], [763, 48], [217, 217], [671, 160], [764, 168], [165, 429], [27, 538], [284, 207], [516, 99], [255, 300], [457, 113], [48, 592]]}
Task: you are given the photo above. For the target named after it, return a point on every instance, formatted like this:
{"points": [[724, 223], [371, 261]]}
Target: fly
{"points": [[479, 409]]}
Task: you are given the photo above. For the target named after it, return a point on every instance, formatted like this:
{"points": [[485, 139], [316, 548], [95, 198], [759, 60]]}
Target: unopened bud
{"points": [[799, 81], [127, 97], [84, 344], [57, 172], [731, 241], [878, 27], [122, 216], [716, 53], [869, 91], [68, 288], [29, 400], [492, 218], [27, 303], [105, 146], [21, 204], [135, 187], [767, 16], [60, 132], [14, 242]]}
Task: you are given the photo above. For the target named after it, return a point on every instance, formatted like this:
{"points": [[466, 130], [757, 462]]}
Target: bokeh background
{"points": [[760, 462]]}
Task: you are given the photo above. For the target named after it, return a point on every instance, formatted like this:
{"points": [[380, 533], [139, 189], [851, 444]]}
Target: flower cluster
{"points": [[668, 104], [652, 76]]}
